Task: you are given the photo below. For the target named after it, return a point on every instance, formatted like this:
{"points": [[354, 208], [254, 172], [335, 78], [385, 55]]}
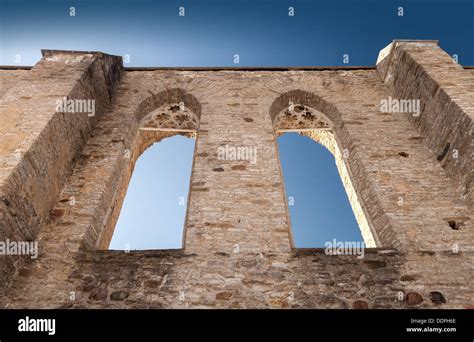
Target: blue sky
{"points": [[321, 211], [154, 208], [211, 32], [152, 33]]}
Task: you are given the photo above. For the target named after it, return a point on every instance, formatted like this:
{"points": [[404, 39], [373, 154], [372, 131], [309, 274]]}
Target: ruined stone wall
{"points": [[238, 249], [421, 70], [39, 145], [8, 78]]}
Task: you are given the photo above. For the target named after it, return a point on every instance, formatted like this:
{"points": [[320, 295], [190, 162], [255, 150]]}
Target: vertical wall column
{"points": [[39, 141], [237, 202], [421, 70]]}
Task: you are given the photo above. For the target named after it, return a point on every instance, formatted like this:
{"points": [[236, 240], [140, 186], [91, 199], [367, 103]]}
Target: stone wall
{"points": [[421, 70], [238, 250], [39, 144]]}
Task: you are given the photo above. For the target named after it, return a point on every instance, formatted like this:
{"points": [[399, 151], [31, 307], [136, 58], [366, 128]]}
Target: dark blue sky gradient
{"points": [[261, 32]]}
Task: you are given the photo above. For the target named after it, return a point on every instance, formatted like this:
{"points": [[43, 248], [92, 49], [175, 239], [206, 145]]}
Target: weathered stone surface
{"points": [[63, 179], [224, 295], [360, 304], [437, 297], [422, 70], [98, 293], [119, 295], [40, 145], [413, 298]]}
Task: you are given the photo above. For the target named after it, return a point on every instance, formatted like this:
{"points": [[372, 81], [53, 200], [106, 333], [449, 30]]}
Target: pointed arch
{"points": [[160, 115], [310, 115]]}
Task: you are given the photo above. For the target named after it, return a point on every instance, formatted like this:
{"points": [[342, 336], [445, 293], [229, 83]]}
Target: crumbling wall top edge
{"points": [[315, 68]]}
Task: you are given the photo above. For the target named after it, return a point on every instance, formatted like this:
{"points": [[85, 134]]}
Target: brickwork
{"points": [[63, 178]]}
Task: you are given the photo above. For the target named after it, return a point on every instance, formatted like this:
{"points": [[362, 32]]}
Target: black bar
{"points": [[243, 322]]}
